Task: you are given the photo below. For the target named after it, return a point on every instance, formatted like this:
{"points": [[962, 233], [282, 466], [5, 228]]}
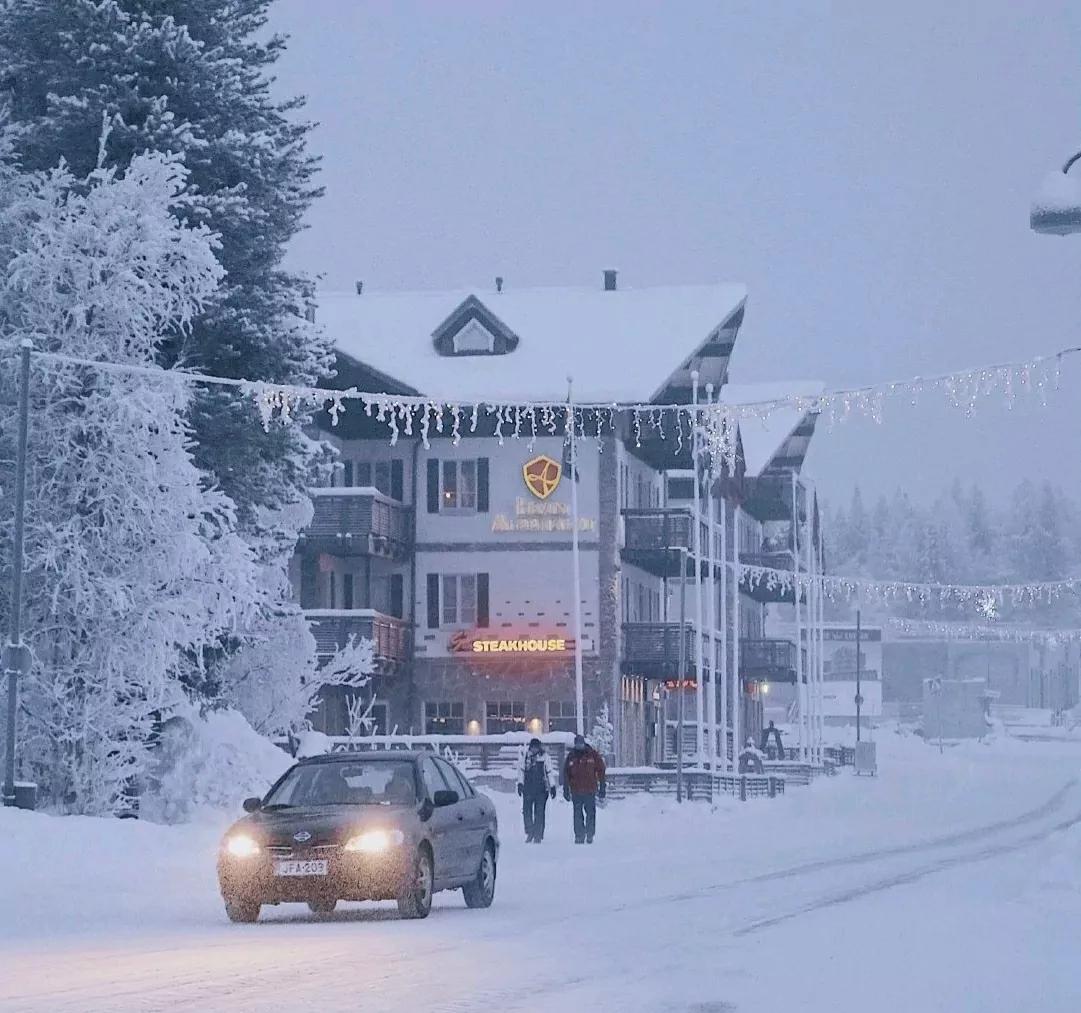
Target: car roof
{"points": [[372, 756]]}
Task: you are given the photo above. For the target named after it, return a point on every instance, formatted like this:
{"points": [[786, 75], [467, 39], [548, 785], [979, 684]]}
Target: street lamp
{"points": [[1056, 211]]}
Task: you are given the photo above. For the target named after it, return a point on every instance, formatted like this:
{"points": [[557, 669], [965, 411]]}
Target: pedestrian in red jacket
{"points": [[583, 783]]}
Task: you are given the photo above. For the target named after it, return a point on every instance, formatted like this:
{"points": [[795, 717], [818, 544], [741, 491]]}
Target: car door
{"points": [[446, 823], [471, 814]]}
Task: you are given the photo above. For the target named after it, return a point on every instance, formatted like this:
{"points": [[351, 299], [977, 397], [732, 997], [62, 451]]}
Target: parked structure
{"points": [[456, 558]]}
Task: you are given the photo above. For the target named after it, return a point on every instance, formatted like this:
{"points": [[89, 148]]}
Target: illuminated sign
{"points": [[681, 684], [532, 516], [542, 474], [474, 642]]}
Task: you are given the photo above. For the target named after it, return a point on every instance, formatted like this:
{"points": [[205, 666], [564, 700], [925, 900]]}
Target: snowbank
{"points": [[215, 761]]}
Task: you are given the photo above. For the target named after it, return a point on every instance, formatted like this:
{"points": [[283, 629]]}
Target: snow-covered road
{"points": [[947, 883]]}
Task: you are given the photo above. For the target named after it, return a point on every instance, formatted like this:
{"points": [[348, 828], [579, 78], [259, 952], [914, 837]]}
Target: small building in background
{"points": [[956, 708]]}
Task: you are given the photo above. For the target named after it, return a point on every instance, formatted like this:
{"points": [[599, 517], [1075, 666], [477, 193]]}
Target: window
{"points": [[561, 716], [453, 778], [431, 776], [458, 486], [474, 337], [459, 599], [505, 717], [444, 717], [347, 473], [332, 580], [456, 600], [347, 591], [467, 789]]}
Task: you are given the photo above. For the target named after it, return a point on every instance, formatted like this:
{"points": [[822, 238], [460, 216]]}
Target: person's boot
{"points": [[589, 839]]}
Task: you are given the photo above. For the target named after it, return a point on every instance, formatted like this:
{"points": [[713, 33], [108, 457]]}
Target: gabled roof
{"points": [[622, 346], [780, 440]]}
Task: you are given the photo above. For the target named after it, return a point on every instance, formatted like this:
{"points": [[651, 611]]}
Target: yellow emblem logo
{"points": [[542, 475]]}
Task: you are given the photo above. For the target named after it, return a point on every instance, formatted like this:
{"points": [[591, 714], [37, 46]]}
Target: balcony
{"points": [[761, 588], [358, 522], [659, 540], [769, 498], [767, 660], [393, 637], [652, 650]]}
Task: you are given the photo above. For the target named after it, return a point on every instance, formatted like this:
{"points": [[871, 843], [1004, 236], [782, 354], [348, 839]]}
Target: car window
{"points": [[456, 777], [346, 783], [432, 777]]}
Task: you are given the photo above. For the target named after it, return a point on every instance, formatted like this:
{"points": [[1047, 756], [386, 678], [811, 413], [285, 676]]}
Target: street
{"points": [[931, 893]]}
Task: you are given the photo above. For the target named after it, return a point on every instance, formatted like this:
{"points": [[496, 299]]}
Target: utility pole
{"points": [[576, 560], [859, 697], [16, 655], [682, 670]]}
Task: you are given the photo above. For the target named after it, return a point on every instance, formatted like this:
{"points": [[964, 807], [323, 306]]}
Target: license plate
{"points": [[311, 868]]}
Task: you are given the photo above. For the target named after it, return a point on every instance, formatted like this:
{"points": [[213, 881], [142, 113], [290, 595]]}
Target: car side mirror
{"points": [[253, 805], [444, 797]]}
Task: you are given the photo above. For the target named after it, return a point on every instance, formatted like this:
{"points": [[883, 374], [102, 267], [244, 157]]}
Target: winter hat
{"points": [[579, 740], [534, 742]]}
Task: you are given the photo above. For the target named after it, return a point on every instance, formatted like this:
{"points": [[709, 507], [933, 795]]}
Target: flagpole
{"points": [[579, 713]]}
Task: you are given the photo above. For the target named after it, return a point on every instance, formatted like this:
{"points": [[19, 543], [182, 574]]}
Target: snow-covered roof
{"points": [[763, 439], [621, 345]]}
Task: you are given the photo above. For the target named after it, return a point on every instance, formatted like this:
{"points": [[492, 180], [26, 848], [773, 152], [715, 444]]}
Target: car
{"points": [[386, 825]]}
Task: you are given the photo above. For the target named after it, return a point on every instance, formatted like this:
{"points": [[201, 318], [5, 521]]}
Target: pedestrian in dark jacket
{"points": [[772, 732], [583, 784], [536, 783]]}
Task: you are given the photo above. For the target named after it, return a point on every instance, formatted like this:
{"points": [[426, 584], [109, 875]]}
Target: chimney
{"points": [[498, 284], [360, 288], [610, 280]]}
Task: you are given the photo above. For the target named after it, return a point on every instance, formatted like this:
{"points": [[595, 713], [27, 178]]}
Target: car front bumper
{"points": [[349, 876]]}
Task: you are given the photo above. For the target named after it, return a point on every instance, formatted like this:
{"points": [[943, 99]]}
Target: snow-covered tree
{"points": [[132, 563], [193, 78], [602, 735]]}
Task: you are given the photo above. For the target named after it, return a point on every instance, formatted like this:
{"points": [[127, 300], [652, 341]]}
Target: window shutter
{"points": [[433, 486], [396, 480], [397, 596], [482, 485], [482, 599], [433, 601]]}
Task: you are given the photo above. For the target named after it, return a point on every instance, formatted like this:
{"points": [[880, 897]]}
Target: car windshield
{"points": [[360, 783]]}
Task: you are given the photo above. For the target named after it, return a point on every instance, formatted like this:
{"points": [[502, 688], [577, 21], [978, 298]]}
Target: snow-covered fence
{"points": [[698, 785]]}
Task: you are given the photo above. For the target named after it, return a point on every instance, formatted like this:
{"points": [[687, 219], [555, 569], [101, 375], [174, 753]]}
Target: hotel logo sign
{"points": [[542, 474]]}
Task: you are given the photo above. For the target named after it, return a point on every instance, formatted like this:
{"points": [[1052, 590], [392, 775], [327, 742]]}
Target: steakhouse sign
{"points": [[464, 642]]}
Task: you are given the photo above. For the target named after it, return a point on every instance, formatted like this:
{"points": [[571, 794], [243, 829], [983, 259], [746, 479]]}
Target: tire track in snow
{"points": [[631, 969]]}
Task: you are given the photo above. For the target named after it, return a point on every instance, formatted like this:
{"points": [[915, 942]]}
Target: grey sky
{"points": [[864, 168]]}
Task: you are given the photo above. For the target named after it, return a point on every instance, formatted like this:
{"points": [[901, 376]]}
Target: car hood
{"points": [[324, 824]]}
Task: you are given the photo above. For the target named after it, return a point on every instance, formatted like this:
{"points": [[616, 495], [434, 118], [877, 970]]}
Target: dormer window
{"points": [[473, 329], [473, 338]]}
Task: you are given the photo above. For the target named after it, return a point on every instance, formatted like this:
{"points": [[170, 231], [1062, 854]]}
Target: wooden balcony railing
{"points": [[356, 522], [393, 637]]}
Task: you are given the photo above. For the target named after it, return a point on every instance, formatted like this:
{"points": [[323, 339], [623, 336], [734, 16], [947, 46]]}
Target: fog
{"points": [[865, 169]]}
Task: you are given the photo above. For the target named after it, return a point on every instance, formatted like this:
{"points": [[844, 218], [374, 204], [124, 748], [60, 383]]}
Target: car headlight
{"points": [[242, 846], [374, 842]]}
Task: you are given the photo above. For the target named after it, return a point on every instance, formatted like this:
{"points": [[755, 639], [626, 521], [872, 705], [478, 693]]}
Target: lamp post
{"points": [[1056, 211], [16, 655], [682, 670]]}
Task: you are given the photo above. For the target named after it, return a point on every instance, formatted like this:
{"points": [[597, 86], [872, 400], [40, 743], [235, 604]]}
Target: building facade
{"points": [[452, 549]]}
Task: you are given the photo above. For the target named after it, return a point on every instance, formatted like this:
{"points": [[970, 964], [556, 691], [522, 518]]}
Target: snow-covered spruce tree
{"points": [[602, 735], [192, 77], [132, 563]]}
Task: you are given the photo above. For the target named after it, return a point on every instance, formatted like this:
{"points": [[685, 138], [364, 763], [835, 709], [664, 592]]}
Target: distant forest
{"points": [[962, 537]]}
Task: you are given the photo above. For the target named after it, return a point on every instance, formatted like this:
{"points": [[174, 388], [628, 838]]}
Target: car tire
{"points": [[323, 905], [415, 901], [241, 910], [481, 891]]}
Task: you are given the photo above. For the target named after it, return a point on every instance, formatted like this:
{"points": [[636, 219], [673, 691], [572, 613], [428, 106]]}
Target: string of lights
{"points": [[411, 415]]}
